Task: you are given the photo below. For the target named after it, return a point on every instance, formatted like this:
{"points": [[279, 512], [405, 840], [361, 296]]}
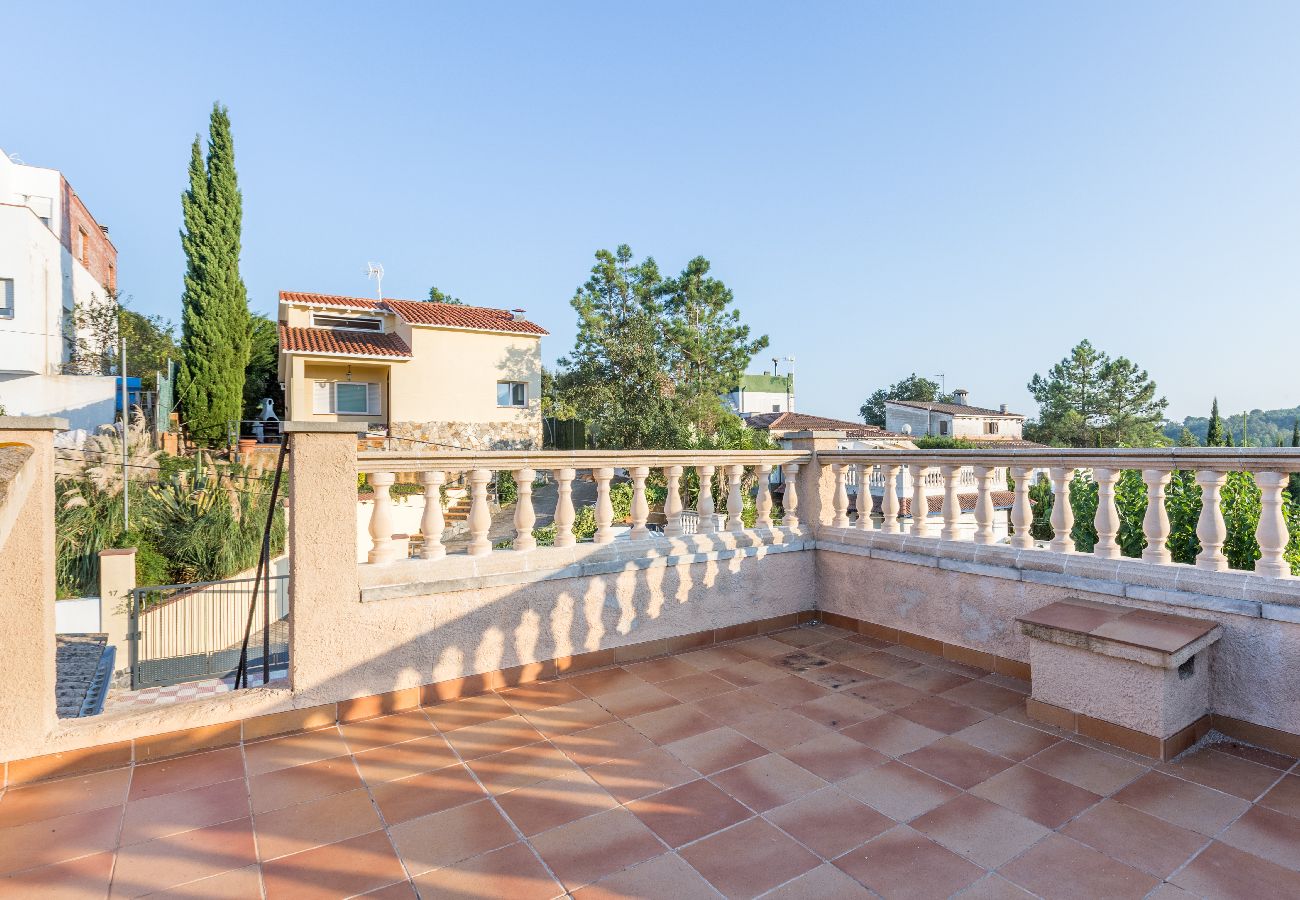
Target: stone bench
{"points": [[1130, 677]]}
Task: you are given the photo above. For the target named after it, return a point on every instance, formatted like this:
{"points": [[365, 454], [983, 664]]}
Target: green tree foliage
{"points": [[914, 387], [100, 327], [1187, 439], [1213, 428], [437, 296], [215, 333], [262, 377], [1265, 426], [1091, 400]]}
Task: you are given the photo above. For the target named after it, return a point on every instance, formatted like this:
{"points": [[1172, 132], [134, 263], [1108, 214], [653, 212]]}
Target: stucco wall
{"points": [[453, 376], [300, 393]]}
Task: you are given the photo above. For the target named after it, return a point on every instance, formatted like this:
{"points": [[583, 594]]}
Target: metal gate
{"points": [[186, 632]]}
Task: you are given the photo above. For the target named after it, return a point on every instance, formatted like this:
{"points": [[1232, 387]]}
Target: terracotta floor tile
{"points": [[1268, 834], [293, 750], [1095, 770], [898, 791], [673, 724], [342, 869], [522, 766], [589, 849], [767, 782], [643, 698], [711, 658], [447, 837], [905, 863], [789, 691], [1284, 796], [956, 762], [298, 784], [1223, 772], [1135, 838], [426, 793], [985, 696], [529, 698], [512, 872], [1036, 795], [155, 817], [495, 736], [688, 813], [245, 882], [822, 882], [1223, 871], [886, 694], [731, 707], [549, 804], [983, 832], [715, 750], [667, 877], [401, 890], [942, 715], [837, 677], [641, 774], [605, 681], [664, 669], [885, 665], [1259, 755], [829, 822], [1005, 738], [1059, 867], [470, 711], [779, 729], [75, 879], [749, 859], [408, 758], [696, 686], [802, 637], [577, 715], [834, 756], [49, 841], [750, 673], [186, 772], [799, 661], [839, 709], [844, 651], [763, 647], [181, 858], [325, 821], [1187, 805], [891, 735], [931, 680], [379, 732], [598, 745], [51, 799], [995, 887]]}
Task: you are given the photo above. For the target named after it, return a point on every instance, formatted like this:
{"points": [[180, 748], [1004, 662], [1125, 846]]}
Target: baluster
{"points": [[431, 523], [1107, 518], [920, 502], [564, 508], [1271, 533], [480, 516], [763, 498], [704, 501], [735, 499], [889, 499], [1022, 511], [951, 502], [1210, 528], [790, 497], [640, 507], [604, 508], [840, 499], [673, 502], [1156, 522], [984, 477], [1062, 511], [524, 515], [381, 519], [864, 496]]}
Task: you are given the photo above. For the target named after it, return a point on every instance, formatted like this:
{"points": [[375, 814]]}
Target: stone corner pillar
{"points": [[816, 485], [116, 581]]}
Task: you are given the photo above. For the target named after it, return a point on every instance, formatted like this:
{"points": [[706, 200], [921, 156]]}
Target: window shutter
{"points": [[373, 399], [322, 397]]}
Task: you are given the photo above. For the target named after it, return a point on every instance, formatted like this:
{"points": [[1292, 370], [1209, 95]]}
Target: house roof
{"points": [[791, 421], [417, 312], [955, 409], [768, 384], [1004, 444], [330, 342]]}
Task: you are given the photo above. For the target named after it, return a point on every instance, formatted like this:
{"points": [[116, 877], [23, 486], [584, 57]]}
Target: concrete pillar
{"points": [[816, 483], [323, 585], [27, 584], [116, 579]]}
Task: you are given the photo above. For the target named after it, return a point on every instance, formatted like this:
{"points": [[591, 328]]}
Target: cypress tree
{"points": [[215, 339], [1295, 433], [1214, 434]]}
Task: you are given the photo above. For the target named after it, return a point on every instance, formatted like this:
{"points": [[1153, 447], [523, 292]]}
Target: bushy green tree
{"points": [[437, 296], [914, 387], [100, 327], [1091, 400], [1214, 432], [262, 377]]}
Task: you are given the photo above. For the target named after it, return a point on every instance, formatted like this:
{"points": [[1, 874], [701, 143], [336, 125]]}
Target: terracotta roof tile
{"points": [[331, 342], [791, 421], [955, 409], [328, 300], [416, 312]]}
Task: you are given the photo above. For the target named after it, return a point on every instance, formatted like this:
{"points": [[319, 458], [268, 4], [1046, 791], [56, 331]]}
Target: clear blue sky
{"points": [[965, 188]]}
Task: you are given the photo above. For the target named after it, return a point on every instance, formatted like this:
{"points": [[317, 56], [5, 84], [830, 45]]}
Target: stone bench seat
{"points": [[1127, 676]]}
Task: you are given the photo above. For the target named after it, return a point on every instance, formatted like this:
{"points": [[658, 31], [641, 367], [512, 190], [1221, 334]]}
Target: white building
{"points": [[766, 393], [954, 420], [53, 256]]}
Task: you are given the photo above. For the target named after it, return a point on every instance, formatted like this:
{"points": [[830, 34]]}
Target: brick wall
{"points": [[98, 255]]}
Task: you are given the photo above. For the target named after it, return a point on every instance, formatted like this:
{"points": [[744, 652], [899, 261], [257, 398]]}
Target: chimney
{"points": [[960, 396], [1003, 408], [517, 315]]}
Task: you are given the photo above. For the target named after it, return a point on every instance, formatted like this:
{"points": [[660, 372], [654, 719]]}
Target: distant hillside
{"points": [[1265, 426]]}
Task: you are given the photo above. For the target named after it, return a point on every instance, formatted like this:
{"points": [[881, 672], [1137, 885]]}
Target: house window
{"points": [[990, 427], [6, 298], [943, 427], [776, 407], [346, 398], [512, 393], [83, 247], [347, 323]]}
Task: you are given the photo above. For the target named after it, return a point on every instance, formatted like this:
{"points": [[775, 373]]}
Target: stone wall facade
{"points": [[519, 435]]}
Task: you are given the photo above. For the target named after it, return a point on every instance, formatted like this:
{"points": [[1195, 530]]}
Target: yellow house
{"points": [[460, 376]]}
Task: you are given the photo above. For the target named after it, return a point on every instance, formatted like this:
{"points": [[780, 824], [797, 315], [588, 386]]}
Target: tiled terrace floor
{"points": [[809, 763]]}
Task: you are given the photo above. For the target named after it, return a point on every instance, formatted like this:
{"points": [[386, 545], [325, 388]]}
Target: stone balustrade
{"points": [[942, 473]]}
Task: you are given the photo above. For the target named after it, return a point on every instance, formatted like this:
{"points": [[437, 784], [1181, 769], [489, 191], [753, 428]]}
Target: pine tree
{"points": [[215, 335], [1187, 439], [1214, 434]]}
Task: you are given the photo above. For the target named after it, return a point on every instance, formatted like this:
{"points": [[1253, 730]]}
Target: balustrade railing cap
{"points": [[322, 428], [33, 423], [840, 435]]}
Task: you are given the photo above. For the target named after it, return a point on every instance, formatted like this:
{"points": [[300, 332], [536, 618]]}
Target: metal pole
{"points": [[126, 427]]}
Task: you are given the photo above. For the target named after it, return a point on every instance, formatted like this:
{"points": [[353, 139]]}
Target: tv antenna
{"points": [[376, 271]]}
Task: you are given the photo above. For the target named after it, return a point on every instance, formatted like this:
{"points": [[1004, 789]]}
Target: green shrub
{"points": [[507, 490]]}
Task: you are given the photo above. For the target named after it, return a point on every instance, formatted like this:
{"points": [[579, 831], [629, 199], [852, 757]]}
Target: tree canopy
{"points": [[437, 296], [100, 327], [1089, 399], [262, 378], [913, 387]]}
